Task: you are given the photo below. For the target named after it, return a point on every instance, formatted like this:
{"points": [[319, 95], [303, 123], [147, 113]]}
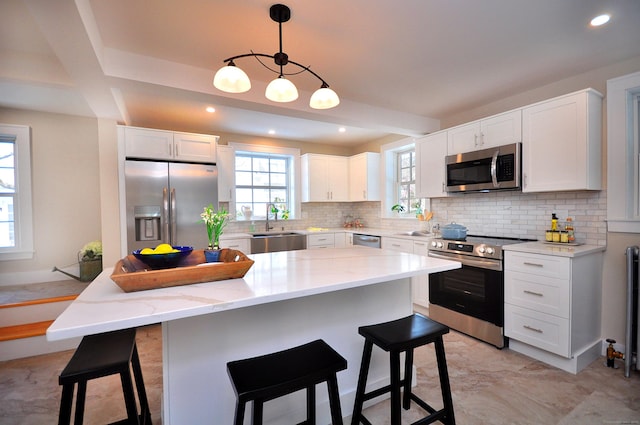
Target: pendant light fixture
{"points": [[232, 79]]}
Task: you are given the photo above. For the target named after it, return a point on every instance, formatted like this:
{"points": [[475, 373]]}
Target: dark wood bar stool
{"points": [[264, 378], [396, 337], [98, 356]]}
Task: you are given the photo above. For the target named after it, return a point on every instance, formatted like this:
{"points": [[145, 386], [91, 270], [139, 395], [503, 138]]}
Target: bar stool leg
{"points": [[145, 412], [408, 375], [362, 382], [311, 405], [80, 400], [239, 416], [334, 400], [129, 397], [64, 417], [256, 416], [394, 366], [445, 387]]}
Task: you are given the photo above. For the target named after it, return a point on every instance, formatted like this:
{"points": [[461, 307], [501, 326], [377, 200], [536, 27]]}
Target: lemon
{"points": [[163, 248], [147, 251]]}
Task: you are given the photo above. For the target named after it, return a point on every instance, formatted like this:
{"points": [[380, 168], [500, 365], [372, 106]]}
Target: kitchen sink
{"points": [[277, 241], [414, 233]]}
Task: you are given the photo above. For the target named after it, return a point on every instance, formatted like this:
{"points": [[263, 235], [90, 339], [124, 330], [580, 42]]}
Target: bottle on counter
{"points": [[570, 230], [554, 222]]}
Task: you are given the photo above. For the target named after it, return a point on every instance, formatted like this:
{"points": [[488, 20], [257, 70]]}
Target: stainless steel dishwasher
{"points": [[366, 240]]}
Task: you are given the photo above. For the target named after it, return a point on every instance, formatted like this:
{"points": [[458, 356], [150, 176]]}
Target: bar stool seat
{"points": [[396, 337], [264, 378], [98, 356]]}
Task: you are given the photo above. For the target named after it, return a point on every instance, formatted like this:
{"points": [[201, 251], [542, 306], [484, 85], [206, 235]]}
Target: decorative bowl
{"points": [[163, 261]]}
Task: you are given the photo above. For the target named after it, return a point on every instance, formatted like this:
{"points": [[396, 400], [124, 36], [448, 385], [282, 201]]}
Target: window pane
{"points": [[278, 165], [7, 235], [261, 179], [243, 163], [243, 178], [7, 180], [244, 195], [261, 195], [261, 164], [279, 180]]}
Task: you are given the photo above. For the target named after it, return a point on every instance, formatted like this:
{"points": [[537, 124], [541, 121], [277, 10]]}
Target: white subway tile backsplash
{"points": [[509, 214]]}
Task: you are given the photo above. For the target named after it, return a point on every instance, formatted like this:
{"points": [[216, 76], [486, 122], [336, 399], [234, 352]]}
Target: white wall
{"points": [[66, 193]]}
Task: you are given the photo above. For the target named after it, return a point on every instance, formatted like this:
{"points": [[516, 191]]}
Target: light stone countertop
{"points": [[363, 230], [558, 250], [277, 276]]}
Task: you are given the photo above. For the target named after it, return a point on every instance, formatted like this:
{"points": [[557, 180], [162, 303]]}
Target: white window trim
{"points": [[295, 204], [388, 184], [622, 187], [24, 214]]}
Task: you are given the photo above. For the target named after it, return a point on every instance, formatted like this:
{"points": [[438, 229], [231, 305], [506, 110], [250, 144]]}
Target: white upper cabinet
{"points": [[430, 169], [562, 142], [497, 130], [226, 173], [325, 178], [364, 177], [169, 145]]}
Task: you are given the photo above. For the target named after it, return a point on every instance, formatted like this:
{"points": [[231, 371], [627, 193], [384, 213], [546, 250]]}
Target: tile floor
{"points": [[489, 386]]}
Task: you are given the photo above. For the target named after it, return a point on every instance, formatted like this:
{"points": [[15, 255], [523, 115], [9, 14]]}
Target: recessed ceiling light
{"points": [[210, 109], [272, 132], [600, 20], [342, 129]]}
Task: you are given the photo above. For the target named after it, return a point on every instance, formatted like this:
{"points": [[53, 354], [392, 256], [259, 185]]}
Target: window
{"points": [[399, 164], [16, 224], [264, 182], [406, 179]]}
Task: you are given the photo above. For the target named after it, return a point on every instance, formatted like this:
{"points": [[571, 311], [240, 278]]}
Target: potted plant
{"points": [[215, 221], [90, 260], [397, 208]]}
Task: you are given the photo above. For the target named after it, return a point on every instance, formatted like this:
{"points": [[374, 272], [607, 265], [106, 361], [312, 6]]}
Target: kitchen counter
{"points": [[554, 249], [286, 298]]}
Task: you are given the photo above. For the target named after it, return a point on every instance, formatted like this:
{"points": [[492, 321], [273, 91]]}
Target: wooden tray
{"points": [[131, 274]]}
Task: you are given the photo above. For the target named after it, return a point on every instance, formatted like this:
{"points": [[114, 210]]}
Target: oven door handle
{"points": [[469, 261]]}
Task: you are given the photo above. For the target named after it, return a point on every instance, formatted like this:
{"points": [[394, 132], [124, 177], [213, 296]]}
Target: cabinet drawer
{"points": [[321, 240], [421, 248], [541, 265], [539, 293], [397, 244], [243, 244], [547, 332]]}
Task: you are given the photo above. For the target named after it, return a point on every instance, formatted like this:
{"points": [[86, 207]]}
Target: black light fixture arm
{"points": [[304, 68]]}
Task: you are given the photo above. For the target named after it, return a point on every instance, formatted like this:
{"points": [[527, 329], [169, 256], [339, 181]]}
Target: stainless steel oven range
{"points": [[471, 299]]}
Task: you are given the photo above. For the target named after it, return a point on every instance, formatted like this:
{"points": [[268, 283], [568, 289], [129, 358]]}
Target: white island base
{"points": [[197, 389]]}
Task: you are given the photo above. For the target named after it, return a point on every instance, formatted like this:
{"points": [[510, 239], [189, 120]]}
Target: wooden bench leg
{"points": [[334, 400], [362, 382], [129, 397]]}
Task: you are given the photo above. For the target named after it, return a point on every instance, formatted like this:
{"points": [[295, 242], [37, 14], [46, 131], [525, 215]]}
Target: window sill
{"points": [[18, 255], [623, 226]]}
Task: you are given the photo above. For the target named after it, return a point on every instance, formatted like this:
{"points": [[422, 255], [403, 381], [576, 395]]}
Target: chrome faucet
{"points": [[266, 226]]}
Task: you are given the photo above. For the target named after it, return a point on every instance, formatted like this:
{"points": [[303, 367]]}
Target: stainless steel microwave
{"points": [[495, 168]]}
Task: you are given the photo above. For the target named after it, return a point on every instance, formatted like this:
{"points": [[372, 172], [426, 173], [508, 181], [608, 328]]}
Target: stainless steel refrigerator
{"points": [[164, 202]]}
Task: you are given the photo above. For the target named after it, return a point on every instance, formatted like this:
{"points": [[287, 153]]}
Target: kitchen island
{"points": [[286, 299]]}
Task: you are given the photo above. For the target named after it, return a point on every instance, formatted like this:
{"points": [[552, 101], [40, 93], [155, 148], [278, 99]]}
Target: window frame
{"points": [[293, 176], [389, 160], [23, 203]]}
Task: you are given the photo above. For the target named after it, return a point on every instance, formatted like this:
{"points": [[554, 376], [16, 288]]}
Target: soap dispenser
{"points": [[554, 222]]}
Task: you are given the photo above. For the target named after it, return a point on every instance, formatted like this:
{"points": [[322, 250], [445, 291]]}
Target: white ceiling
{"points": [[398, 66]]}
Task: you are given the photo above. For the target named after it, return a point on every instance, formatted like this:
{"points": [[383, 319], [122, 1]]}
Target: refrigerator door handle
{"points": [[165, 215], [174, 219]]}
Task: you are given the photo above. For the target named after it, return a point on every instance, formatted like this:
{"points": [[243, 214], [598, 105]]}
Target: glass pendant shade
{"points": [[324, 98], [231, 79], [281, 90]]}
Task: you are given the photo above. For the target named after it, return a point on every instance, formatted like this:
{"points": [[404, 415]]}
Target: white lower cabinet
{"points": [[321, 240], [552, 306], [240, 244], [419, 284]]}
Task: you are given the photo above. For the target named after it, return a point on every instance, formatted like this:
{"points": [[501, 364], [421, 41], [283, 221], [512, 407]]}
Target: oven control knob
{"points": [[490, 251], [434, 244], [481, 250]]}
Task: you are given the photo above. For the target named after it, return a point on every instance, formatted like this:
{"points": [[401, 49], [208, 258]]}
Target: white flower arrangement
{"points": [[216, 222], [91, 251]]}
